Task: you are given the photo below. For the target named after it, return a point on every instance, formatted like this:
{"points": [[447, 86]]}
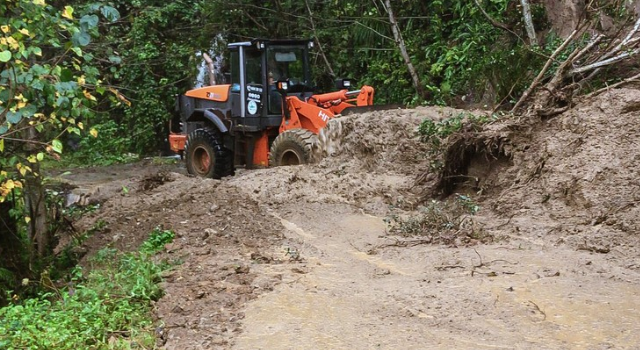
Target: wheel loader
{"points": [[267, 115]]}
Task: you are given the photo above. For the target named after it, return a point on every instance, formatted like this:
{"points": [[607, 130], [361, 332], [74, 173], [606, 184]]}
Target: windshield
{"points": [[287, 62]]}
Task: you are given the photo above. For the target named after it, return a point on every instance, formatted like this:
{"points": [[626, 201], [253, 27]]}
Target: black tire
{"points": [[206, 156], [292, 147]]}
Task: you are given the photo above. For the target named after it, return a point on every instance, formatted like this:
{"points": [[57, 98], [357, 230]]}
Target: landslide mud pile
{"points": [[569, 179], [574, 178], [371, 161]]}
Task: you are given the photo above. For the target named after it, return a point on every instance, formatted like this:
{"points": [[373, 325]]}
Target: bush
{"points": [[447, 222], [107, 308]]}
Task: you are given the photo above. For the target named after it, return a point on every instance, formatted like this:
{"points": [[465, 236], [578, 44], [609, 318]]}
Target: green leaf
{"points": [[66, 75], [77, 51], [110, 13], [115, 59], [28, 111], [89, 21], [5, 56], [56, 145], [40, 156], [81, 38], [14, 117]]}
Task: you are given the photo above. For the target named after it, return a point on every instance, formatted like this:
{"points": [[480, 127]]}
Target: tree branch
{"points": [[315, 35], [606, 62], [544, 69], [635, 78], [403, 50], [492, 20]]}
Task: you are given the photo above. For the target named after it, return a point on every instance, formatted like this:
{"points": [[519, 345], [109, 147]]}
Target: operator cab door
{"points": [[247, 84]]}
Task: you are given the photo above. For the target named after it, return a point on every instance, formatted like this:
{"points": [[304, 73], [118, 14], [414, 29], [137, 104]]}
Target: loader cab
{"points": [[255, 67]]}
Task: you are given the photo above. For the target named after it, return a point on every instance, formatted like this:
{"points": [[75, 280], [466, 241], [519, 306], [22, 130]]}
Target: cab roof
{"points": [[268, 42]]}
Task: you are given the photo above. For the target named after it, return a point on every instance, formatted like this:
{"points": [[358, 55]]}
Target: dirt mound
{"points": [[371, 160], [221, 237], [570, 179]]}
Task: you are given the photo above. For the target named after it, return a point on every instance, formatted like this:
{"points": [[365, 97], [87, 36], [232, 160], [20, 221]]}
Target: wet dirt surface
{"points": [[301, 258]]}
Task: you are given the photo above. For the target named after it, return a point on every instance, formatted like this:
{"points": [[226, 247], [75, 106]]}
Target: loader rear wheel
{"points": [[292, 147], [206, 156]]}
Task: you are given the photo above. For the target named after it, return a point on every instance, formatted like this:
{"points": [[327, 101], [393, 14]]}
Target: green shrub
{"points": [[109, 307], [157, 240], [448, 222]]}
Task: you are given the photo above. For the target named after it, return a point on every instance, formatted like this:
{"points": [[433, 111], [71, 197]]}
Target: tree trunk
{"points": [[403, 50], [210, 69], [10, 245], [36, 210], [35, 206], [528, 22]]}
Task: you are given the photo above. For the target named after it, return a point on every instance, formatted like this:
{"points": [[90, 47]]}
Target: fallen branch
{"points": [[539, 310], [635, 78], [445, 267], [626, 40], [543, 71], [606, 62]]}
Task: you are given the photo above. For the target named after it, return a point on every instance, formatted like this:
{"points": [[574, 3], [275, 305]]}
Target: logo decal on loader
{"points": [[213, 96], [323, 115]]}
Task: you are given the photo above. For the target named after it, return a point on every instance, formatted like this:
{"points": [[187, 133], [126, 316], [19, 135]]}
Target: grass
{"points": [[106, 308]]}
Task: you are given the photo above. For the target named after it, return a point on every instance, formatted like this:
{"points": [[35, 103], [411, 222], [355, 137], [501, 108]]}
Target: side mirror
{"points": [[345, 83], [283, 85]]}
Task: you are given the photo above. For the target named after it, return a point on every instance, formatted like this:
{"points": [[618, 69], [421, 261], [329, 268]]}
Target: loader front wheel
{"points": [[292, 147], [206, 156]]}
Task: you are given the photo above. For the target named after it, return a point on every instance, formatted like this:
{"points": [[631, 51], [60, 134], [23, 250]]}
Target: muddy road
{"points": [[304, 257]]}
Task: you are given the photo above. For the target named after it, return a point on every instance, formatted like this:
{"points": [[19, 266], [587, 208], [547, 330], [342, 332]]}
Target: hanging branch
{"points": [[491, 19], [403, 50], [315, 36]]}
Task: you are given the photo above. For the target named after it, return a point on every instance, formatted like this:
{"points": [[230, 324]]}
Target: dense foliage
{"points": [[109, 307], [45, 83], [150, 54], [456, 50], [48, 89]]}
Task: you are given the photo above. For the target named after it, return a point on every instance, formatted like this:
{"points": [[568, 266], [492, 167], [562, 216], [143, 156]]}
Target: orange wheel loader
{"points": [[268, 115]]}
